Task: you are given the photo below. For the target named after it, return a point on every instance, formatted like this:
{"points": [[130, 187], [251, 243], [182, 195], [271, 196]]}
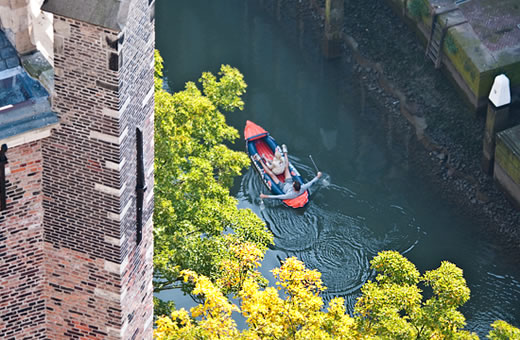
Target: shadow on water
{"points": [[373, 200]]}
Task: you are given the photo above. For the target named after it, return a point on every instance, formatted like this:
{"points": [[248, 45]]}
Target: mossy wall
{"points": [[508, 160], [419, 10], [473, 61], [480, 78], [512, 71], [454, 48]]}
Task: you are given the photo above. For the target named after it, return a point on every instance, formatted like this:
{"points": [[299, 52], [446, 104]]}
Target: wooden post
{"points": [[332, 40], [497, 119]]}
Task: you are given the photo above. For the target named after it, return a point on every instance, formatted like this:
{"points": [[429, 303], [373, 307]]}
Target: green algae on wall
{"points": [[507, 152], [475, 63], [455, 48], [419, 10]]}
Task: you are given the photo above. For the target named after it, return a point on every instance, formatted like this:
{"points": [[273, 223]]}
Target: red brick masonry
{"points": [[22, 302], [70, 265]]}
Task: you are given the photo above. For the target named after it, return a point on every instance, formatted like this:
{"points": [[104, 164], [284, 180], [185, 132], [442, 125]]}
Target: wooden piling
{"points": [[333, 35], [497, 119]]}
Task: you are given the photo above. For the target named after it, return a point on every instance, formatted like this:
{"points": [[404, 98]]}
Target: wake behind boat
{"points": [[260, 145]]}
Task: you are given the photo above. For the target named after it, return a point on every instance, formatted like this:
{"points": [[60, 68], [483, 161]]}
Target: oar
{"points": [[312, 160], [324, 181]]}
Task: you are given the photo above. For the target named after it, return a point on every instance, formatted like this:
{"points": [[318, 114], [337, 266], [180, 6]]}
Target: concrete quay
{"points": [[475, 40]]}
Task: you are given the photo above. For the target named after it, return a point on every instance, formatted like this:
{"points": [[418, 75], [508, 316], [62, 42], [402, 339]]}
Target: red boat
{"points": [[259, 142]]}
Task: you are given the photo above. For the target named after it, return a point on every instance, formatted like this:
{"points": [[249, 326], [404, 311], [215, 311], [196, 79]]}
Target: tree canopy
{"points": [[392, 307], [297, 316], [196, 220]]}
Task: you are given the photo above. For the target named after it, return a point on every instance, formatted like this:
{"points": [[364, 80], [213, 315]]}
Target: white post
{"points": [[497, 119]]}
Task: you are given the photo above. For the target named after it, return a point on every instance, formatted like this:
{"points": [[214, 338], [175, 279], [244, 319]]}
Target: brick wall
{"points": [[98, 279], [136, 88], [81, 189], [84, 296], [22, 301]]}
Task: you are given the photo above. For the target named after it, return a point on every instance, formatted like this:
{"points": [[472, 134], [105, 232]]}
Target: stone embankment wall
{"points": [[404, 84], [507, 162], [473, 55]]}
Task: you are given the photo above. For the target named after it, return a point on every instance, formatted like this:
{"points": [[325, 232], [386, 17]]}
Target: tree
{"points": [[298, 316], [394, 307], [503, 331], [196, 221], [390, 308]]}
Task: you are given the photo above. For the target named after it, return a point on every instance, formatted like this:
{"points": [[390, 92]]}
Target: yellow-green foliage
{"points": [[390, 308], [393, 306], [296, 315], [194, 170], [503, 331]]}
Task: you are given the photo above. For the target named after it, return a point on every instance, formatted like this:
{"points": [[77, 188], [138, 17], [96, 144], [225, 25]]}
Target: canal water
{"points": [[370, 199]]}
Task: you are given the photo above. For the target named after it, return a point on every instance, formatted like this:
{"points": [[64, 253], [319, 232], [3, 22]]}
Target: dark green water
{"points": [[369, 200]]}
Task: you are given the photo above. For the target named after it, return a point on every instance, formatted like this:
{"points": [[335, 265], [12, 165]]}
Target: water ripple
{"points": [[338, 233]]}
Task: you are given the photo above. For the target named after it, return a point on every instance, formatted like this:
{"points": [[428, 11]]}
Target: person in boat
{"points": [[277, 164], [290, 187]]}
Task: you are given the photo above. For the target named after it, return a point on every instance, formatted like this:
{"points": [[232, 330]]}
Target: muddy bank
{"points": [[441, 133]]}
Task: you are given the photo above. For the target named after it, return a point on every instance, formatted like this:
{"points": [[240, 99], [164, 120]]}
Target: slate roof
{"points": [[24, 103], [31, 115], [105, 13], [8, 55]]}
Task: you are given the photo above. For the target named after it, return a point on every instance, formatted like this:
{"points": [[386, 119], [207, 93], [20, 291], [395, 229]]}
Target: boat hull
{"points": [[259, 142]]}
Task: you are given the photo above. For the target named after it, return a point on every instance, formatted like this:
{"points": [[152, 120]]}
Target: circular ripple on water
{"points": [[386, 225], [337, 234], [339, 254], [292, 229]]}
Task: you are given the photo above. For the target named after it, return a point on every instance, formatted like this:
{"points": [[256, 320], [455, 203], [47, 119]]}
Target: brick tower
{"points": [[76, 240], [98, 213]]}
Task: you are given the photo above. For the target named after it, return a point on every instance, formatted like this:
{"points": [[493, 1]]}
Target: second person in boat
{"points": [[291, 188]]}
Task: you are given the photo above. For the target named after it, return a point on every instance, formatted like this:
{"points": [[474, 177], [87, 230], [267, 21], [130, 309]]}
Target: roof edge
{"points": [[111, 14]]}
